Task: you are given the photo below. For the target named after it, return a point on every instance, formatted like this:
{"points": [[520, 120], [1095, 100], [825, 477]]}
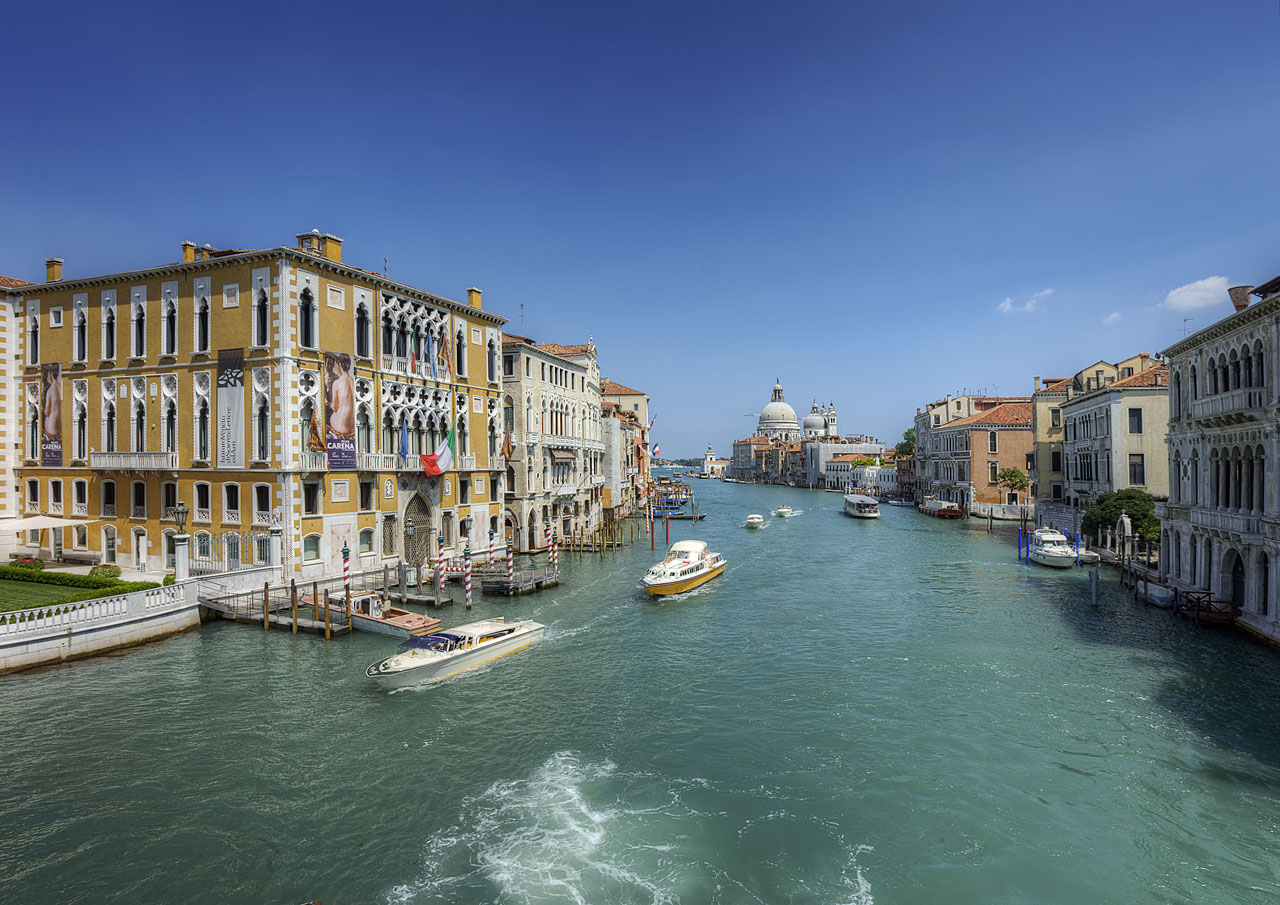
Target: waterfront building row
{"points": [[279, 386], [964, 442]]}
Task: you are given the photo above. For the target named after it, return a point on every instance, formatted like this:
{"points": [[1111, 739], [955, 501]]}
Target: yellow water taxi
{"points": [[687, 565]]}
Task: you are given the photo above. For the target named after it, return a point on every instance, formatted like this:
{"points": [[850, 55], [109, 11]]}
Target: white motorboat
{"points": [[783, 512], [755, 521], [858, 506], [1050, 548], [430, 658], [370, 614], [687, 565]]}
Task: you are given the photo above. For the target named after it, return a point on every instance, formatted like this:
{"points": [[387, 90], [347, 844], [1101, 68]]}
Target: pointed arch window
{"points": [[261, 319], [81, 336], [262, 431], [82, 433], [109, 335], [402, 339], [493, 362], [460, 354], [33, 433], [307, 320], [171, 428], [388, 432], [202, 325], [109, 428], [169, 330], [33, 340], [139, 332], [364, 431], [139, 428], [388, 335], [362, 330], [202, 431]]}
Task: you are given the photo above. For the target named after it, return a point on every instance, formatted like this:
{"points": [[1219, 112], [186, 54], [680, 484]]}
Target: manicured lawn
{"points": [[18, 595]]}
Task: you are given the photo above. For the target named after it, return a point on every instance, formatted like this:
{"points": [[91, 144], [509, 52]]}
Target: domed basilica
{"points": [[778, 420]]}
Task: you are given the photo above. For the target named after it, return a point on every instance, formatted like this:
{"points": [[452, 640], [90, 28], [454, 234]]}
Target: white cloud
{"points": [[1112, 318], [1009, 305], [1200, 294]]}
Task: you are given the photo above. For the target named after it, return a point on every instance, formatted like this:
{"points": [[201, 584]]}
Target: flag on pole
{"points": [[404, 440], [656, 450], [431, 355], [442, 459], [413, 363]]}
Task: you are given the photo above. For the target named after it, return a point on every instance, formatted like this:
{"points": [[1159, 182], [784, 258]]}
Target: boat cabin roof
{"points": [[687, 546], [859, 498]]}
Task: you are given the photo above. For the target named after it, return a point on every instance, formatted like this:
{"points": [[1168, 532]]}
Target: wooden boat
{"points": [[370, 614], [940, 508]]}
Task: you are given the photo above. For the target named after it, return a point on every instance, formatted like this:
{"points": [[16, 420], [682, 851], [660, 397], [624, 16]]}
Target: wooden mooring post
{"points": [[293, 602], [266, 605], [315, 602], [326, 614]]}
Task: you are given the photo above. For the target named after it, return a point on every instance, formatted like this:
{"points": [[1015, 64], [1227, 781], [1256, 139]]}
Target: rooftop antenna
{"points": [[384, 268], [1186, 331], [522, 333]]}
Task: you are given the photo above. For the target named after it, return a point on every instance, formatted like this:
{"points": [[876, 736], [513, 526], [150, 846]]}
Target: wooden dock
{"points": [[524, 582]]}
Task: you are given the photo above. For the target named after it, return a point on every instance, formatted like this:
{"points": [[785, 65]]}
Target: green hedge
{"points": [[18, 573], [30, 563], [80, 587], [104, 571]]}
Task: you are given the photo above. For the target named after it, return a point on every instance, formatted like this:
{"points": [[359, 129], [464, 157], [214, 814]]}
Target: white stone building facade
{"points": [[1220, 529]]}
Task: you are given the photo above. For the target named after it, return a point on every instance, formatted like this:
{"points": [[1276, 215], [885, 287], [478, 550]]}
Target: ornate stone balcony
{"points": [[134, 461], [1243, 523], [314, 461], [1234, 407]]}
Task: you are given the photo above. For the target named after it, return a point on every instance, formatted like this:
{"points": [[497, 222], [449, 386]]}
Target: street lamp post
{"points": [[409, 528], [181, 544]]}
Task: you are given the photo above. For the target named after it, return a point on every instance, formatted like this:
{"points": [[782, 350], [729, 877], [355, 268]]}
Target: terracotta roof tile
{"points": [[515, 338], [1010, 414], [11, 282], [616, 389], [557, 349], [1055, 386], [1151, 377]]}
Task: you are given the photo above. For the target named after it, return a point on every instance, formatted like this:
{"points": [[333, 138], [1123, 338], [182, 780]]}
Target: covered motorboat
{"points": [[858, 506], [687, 565], [430, 658], [1050, 548]]}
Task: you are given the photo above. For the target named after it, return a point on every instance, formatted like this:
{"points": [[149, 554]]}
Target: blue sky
{"points": [[876, 203]]}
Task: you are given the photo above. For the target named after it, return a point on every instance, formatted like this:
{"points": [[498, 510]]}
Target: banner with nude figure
{"points": [[340, 410], [51, 414]]}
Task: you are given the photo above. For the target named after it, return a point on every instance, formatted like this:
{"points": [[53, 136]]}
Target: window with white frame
{"points": [[55, 496], [366, 540], [311, 548], [311, 498], [33, 495], [108, 492], [80, 336], [138, 500], [261, 319], [202, 511], [231, 503], [138, 333], [109, 325], [992, 470], [992, 443], [307, 320], [169, 328], [80, 497], [262, 504], [200, 342], [168, 499]]}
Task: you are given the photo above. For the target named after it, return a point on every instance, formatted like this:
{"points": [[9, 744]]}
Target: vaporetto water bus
{"points": [[858, 506], [687, 565], [430, 658]]}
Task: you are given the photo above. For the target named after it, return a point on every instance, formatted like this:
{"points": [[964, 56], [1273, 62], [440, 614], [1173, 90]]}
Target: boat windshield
{"points": [[438, 641]]}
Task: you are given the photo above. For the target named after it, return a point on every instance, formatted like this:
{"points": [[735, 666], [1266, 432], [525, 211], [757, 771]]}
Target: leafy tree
{"points": [[1013, 480], [1106, 509], [908, 445]]}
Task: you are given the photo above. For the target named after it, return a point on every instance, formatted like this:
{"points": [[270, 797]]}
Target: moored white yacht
{"points": [[687, 565], [430, 658], [1050, 548]]}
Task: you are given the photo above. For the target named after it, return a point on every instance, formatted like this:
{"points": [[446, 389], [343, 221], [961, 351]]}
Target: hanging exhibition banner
{"points": [[231, 408], [51, 414], [340, 410]]}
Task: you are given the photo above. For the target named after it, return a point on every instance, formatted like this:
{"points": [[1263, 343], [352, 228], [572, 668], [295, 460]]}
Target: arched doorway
{"points": [[418, 548], [1233, 578], [511, 528]]}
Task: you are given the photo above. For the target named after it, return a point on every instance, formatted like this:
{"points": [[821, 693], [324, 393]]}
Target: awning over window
{"points": [[561, 457], [39, 522]]}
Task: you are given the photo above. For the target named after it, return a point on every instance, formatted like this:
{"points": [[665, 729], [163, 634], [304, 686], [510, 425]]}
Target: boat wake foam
{"points": [[585, 832]]}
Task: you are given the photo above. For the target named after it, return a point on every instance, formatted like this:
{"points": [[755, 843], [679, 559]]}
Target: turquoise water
{"points": [[891, 712]]}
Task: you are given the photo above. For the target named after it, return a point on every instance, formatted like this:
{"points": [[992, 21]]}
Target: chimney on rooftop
{"points": [[331, 247], [188, 252], [1240, 296], [1037, 384], [473, 297], [52, 270], [309, 241]]}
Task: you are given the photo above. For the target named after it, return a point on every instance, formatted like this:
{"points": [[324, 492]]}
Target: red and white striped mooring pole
{"points": [[466, 571], [346, 570], [511, 568]]}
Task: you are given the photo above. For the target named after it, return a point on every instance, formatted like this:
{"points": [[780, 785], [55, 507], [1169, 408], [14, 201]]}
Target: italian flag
{"points": [[442, 459]]}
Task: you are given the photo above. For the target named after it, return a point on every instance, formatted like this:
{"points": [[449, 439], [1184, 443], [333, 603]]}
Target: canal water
{"points": [[892, 712]]}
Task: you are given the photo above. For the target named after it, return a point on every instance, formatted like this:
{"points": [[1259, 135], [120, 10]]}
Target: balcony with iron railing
{"points": [[139, 510], [108, 510], [231, 516], [81, 508], [133, 461], [201, 515], [1232, 407]]}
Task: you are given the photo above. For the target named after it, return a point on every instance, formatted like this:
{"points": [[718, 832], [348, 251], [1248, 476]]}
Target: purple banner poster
{"points": [[51, 414], [340, 410]]}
